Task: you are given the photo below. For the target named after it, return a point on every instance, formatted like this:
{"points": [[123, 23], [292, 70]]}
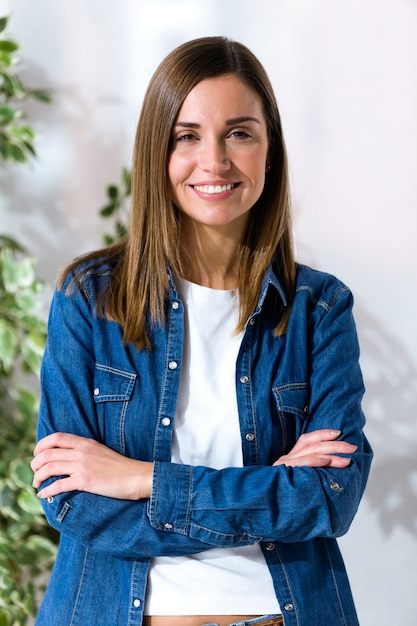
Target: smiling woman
{"points": [[217, 173], [200, 440]]}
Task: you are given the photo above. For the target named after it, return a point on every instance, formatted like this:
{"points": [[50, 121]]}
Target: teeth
{"points": [[213, 188]]}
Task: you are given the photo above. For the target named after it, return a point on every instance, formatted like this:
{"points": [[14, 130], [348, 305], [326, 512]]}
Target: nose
{"points": [[214, 157]]}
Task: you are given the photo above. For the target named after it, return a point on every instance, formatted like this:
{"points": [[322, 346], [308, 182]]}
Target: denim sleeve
{"points": [[223, 507], [118, 527]]}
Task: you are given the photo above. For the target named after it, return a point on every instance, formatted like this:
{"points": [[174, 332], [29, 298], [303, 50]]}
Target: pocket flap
{"points": [[111, 384], [292, 398]]}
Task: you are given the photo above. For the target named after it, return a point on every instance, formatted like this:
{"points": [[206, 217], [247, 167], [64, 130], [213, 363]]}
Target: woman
{"points": [[200, 432]]}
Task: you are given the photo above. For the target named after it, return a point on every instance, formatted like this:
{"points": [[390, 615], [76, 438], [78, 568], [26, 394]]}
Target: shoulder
{"points": [[89, 275], [320, 288]]}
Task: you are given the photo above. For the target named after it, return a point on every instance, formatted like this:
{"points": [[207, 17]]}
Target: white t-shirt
{"points": [[221, 581]]}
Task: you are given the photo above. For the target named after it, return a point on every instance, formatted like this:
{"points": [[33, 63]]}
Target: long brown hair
{"points": [[138, 288]]}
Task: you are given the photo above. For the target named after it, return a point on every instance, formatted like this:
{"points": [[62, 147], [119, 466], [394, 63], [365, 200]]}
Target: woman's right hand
{"points": [[319, 448], [87, 465]]}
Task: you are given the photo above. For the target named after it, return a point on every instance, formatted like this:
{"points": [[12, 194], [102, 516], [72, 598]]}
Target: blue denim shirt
{"points": [[308, 379]]}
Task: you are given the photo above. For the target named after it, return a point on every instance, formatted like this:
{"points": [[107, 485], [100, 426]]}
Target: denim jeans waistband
{"points": [[264, 620]]}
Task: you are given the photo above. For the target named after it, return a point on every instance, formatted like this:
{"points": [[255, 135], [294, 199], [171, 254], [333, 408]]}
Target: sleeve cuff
{"points": [[169, 504]]}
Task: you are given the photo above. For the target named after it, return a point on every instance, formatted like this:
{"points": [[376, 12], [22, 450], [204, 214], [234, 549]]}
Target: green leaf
{"points": [[3, 23], [108, 240], [32, 352], [25, 301], [23, 133], [40, 94], [20, 473], [30, 148], [4, 620], [6, 59], [12, 244], [17, 154], [29, 503], [126, 179], [108, 210], [6, 496], [7, 115], [11, 83], [41, 545], [9, 46], [113, 192], [16, 274], [120, 230], [9, 344]]}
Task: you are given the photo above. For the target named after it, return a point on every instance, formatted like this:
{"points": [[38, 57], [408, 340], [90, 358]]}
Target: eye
{"points": [[240, 134], [185, 138]]}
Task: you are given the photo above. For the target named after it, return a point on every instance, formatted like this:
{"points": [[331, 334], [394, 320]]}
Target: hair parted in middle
{"points": [[137, 294]]}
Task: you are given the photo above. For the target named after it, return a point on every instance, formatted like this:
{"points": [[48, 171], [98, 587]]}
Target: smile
{"points": [[212, 189]]}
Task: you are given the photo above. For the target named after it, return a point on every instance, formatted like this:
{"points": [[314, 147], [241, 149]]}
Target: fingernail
{"points": [[335, 432]]}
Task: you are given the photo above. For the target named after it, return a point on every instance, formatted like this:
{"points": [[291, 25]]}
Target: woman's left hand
{"points": [[87, 465], [319, 448]]}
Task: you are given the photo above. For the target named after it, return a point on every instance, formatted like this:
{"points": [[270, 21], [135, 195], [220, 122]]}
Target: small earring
{"points": [[268, 168]]}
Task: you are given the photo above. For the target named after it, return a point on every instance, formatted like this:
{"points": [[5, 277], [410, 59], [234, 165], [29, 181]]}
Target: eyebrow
{"points": [[232, 122]]}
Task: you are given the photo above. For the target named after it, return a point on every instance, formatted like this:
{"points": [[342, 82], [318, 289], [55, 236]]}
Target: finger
{"points": [[59, 486], [314, 461], [304, 448], [330, 448], [324, 434], [51, 455], [316, 436], [50, 470], [58, 440], [318, 450]]}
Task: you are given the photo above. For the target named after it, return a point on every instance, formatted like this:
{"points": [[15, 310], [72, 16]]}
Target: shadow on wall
{"points": [[390, 406]]}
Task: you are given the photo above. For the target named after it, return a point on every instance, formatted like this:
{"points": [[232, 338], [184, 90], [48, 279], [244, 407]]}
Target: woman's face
{"points": [[220, 149]]}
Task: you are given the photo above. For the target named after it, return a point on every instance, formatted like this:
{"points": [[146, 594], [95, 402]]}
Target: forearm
{"points": [[241, 505], [83, 464]]}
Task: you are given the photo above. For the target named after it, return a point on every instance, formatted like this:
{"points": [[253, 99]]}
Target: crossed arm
{"points": [[95, 468]]}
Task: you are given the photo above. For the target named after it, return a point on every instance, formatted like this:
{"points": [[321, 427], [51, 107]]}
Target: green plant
{"points": [[27, 543], [117, 207], [16, 138]]}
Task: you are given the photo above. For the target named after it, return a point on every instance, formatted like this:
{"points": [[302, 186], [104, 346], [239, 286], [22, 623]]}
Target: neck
{"points": [[210, 258]]}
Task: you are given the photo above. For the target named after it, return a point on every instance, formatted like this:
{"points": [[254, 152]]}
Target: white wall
{"points": [[346, 81]]}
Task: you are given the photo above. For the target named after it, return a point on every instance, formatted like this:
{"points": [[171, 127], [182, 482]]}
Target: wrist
{"points": [[145, 480]]}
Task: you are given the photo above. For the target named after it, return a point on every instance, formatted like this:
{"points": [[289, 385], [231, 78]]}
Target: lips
{"points": [[215, 189]]}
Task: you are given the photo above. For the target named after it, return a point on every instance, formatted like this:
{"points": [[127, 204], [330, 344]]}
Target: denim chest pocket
{"points": [[292, 406], [112, 392]]}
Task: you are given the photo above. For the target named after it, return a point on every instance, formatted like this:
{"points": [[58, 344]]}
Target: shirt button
{"points": [[96, 391], [244, 379], [289, 606], [168, 526], [50, 500], [136, 603], [165, 421], [334, 486], [250, 437], [172, 365], [270, 547], [175, 305]]}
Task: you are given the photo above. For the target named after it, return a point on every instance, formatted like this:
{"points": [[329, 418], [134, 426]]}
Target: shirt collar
{"points": [[269, 279]]}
